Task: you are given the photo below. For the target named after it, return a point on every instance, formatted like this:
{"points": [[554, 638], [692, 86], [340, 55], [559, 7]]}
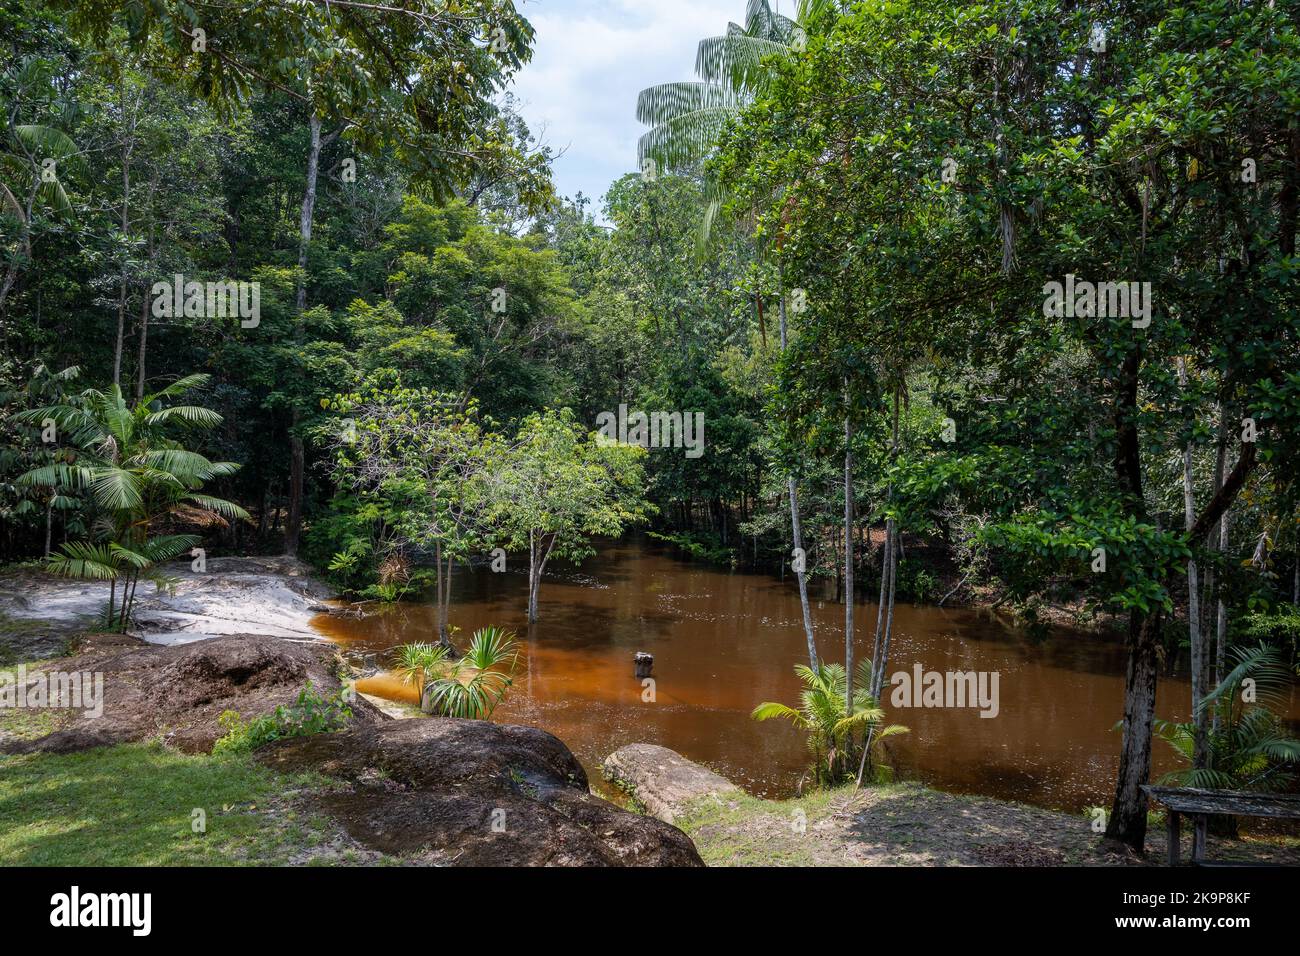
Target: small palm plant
{"points": [[835, 737], [470, 687], [1248, 746]]}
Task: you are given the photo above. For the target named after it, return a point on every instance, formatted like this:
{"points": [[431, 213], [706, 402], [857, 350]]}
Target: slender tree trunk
{"points": [[444, 611], [121, 288], [49, 523], [885, 610], [443, 595], [796, 531], [848, 557], [144, 298], [1221, 546], [144, 337], [297, 455], [535, 563], [1194, 636]]}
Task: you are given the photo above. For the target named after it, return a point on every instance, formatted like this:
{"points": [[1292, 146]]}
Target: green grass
{"points": [[131, 805], [27, 723], [723, 838]]}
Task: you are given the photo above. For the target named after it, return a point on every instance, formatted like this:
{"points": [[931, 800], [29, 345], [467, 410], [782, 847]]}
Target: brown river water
{"points": [[724, 641]]}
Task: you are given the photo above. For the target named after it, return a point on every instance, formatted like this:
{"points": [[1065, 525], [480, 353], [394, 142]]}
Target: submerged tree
{"points": [[556, 488], [428, 461]]}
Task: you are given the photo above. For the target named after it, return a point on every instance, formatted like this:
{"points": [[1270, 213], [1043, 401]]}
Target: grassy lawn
{"points": [[724, 835], [133, 805]]}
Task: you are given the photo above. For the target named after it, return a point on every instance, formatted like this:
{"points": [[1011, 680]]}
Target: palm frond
{"points": [[190, 414], [84, 560], [115, 489], [179, 387], [227, 509]]}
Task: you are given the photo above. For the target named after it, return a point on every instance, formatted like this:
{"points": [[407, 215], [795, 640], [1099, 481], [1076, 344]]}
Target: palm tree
{"points": [[134, 475], [470, 687], [686, 120], [832, 730], [1250, 749]]}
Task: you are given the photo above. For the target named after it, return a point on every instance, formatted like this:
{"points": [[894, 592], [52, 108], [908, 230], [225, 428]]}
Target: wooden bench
{"points": [[1200, 805]]}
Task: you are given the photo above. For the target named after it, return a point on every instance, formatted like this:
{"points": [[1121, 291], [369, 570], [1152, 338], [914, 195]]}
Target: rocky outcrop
{"points": [[472, 793], [271, 596], [432, 790], [180, 692], [662, 780]]}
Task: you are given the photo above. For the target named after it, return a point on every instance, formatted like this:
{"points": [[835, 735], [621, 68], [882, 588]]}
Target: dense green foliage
{"points": [[999, 299]]}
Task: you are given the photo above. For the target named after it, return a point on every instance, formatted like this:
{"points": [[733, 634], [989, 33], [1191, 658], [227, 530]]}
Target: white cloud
{"points": [[591, 59]]}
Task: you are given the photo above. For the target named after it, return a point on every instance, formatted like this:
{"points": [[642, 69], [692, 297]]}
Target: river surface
{"points": [[725, 641]]}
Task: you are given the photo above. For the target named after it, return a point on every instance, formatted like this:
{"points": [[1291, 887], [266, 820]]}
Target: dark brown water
{"points": [[725, 641]]}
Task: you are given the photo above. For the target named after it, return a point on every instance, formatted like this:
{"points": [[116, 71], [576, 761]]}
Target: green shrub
{"points": [[916, 583], [309, 714]]}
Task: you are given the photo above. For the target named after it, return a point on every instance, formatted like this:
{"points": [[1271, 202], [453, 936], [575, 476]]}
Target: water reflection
{"points": [[724, 641]]}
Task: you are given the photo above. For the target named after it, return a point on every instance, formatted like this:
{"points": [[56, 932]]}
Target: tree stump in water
{"points": [[644, 664]]}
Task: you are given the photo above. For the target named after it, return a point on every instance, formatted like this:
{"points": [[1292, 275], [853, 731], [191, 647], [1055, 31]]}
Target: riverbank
{"points": [[124, 788], [252, 749], [275, 596], [902, 824]]}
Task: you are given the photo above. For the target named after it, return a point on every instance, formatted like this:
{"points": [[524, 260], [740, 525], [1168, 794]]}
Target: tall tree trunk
{"points": [[144, 338], [1221, 546], [848, 555], [1128, 817], [888, 574], [796, 531], [1194, 636], [121, 285], [293, 526], [144, 294]]}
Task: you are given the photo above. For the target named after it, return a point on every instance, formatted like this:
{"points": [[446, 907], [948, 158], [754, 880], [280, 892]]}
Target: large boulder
{"points": [[662, 780], [179, 692], [472, 793]]}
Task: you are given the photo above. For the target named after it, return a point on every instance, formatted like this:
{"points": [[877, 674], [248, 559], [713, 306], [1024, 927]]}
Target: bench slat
{"points": [[1234, 802]]}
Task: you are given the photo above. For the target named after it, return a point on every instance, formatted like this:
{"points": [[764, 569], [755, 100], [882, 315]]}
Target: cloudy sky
{"points": [[590, 59]]}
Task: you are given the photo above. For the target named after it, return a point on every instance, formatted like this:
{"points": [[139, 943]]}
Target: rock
{"points": [[662, 780], [180, 691], [643, 664], [473, 793], [273, 596]]}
